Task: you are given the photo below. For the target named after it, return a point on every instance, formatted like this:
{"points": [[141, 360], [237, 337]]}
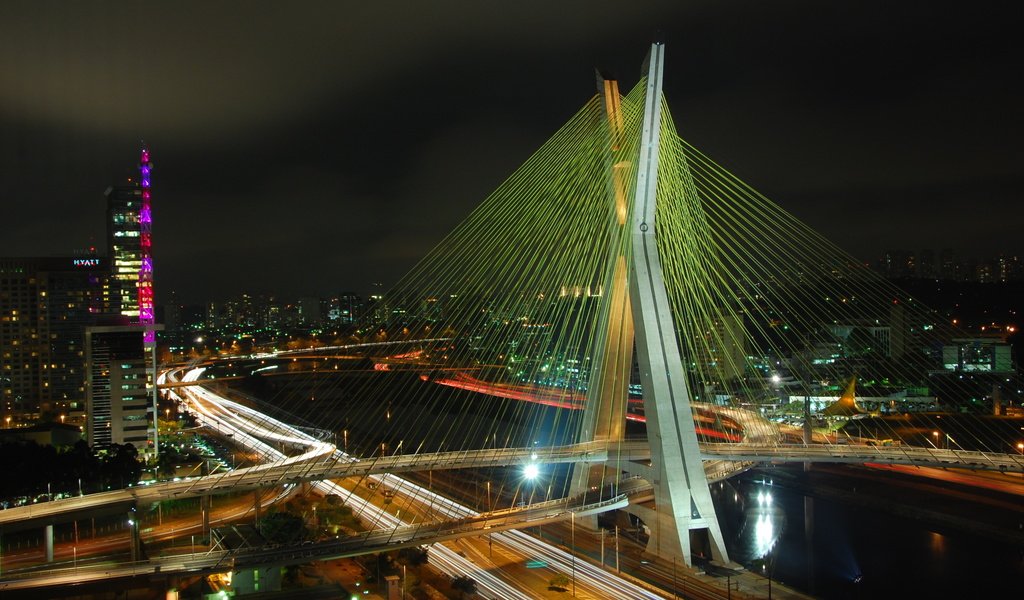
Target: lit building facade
{"points": [[129, 244], [121, 391], [45, 306], [121, 357], [344, 309], [124, 247], [991, 355]]}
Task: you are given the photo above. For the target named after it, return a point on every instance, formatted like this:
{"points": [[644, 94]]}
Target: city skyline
{"points": [[325, 150]]}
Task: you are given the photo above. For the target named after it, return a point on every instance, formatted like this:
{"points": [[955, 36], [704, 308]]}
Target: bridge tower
{"points": [[604, 417], [683, 500]]}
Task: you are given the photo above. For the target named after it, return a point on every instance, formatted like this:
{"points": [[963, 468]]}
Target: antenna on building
{"points": [[146, 312]]}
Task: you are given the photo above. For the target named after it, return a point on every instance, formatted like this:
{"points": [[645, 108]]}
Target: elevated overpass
{"points": [[325, 462], [370, 542]]}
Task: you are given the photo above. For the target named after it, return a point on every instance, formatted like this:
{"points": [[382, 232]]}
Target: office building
{"points": [[45, 305], [121, 387]]}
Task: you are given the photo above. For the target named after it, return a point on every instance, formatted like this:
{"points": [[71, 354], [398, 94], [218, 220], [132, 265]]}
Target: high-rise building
{"points": [[121, 357], [984, 354], [947, 265], [45, 305], [129, 244], [345, 308], [121, 386], [723, 349], [124, 246], [59, 358], [309, 311], [926, 268]]}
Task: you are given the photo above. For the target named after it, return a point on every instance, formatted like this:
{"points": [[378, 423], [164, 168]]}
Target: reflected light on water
{"points": [[764, 535], [764, 527]]}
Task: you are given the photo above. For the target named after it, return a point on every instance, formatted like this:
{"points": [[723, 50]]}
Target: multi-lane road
{"points": [[600, 584]]}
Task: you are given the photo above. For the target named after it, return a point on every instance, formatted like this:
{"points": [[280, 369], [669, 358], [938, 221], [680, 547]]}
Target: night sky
{"points": [[310, 148]]}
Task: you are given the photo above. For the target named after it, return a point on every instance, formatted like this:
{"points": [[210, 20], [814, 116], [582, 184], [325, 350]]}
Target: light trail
{"points": [[444, 558], [236, 417]]}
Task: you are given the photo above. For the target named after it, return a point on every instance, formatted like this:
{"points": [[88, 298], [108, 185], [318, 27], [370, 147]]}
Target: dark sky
{"points": [[308, 148]]}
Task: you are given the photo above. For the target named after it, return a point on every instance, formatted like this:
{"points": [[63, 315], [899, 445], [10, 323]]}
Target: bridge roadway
{"points": [[370, 542], [323, 461], [589, 577]]}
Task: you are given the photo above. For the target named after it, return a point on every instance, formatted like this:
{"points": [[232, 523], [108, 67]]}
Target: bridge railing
{"points": [[968, 459]]}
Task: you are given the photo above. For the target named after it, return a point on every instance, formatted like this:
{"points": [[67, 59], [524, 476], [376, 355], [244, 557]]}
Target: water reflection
{"points": [[830, 548], [763, 522]]}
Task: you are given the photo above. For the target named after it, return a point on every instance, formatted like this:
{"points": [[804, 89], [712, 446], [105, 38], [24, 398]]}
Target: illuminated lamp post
{"points": [[490, 546], [572, 518]]}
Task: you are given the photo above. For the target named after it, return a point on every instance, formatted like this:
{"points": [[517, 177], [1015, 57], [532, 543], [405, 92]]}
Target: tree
{"points": [[464, 585], [120, 466], [413, 557], [559, 582], [281, 528]]}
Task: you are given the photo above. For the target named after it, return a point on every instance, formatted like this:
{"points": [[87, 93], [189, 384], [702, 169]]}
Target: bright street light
{"points": [[531, 471]]}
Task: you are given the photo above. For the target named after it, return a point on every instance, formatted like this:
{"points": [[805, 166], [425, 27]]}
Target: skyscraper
{"points": [[121, 387], [129, 244], [121, 354], [124, 248], [45, 305]]}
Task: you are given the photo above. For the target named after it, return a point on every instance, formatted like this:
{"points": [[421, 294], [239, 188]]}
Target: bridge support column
{"points": [[205, 504], [681, 493], [608, 389], [48, 541]]}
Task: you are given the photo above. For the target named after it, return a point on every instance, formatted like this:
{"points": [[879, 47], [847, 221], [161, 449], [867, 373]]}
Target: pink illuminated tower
{"points": [[118, 399], [146, 246]]}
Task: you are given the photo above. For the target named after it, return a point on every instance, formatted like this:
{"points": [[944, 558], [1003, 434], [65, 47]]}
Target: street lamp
{"points": [[490, 545], [572, 517], [1020, 447]]}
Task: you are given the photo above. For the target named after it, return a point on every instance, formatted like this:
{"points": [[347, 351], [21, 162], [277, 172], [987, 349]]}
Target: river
{"points": [[823, 537]]}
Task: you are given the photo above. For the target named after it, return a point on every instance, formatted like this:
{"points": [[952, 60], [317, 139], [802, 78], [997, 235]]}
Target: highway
{"points": [[321, 461], [392, 532], [601, 583], [293, 456]]}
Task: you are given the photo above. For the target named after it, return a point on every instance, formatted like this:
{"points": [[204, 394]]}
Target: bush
{"points": [[559, 582], [466, 585]]}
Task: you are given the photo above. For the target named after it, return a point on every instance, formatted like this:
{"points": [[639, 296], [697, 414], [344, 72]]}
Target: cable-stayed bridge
{"points": [[620, 284], [321, 462]]}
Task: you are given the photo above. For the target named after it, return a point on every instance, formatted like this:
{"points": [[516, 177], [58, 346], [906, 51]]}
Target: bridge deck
{"points": [[332, 464]]}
